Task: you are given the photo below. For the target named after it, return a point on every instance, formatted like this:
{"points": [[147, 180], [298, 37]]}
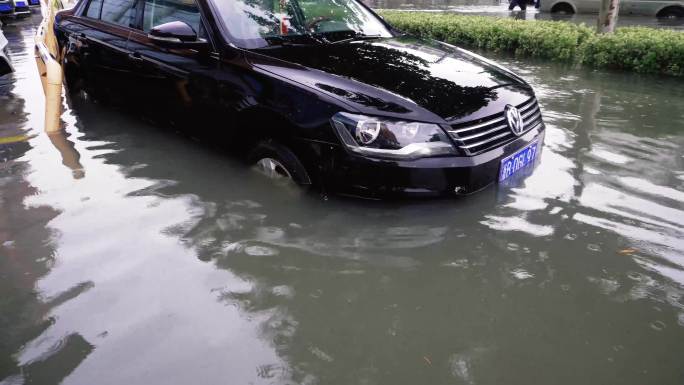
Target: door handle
{"points": [[135, 57]]}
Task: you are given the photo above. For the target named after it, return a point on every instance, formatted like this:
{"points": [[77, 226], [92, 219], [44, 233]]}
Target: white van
{"points": [[658, 8]]}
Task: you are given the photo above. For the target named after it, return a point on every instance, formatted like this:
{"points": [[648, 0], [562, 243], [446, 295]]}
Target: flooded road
{"points": [[131, 255]]}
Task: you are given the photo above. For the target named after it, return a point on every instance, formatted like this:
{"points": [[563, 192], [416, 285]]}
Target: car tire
{"points": [[563, 8], [278, 162], [671, 13]]}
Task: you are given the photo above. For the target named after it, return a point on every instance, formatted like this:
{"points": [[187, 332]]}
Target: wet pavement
{"points": [[132, 255]]}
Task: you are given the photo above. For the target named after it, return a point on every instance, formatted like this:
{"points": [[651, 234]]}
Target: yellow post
{"points": [[49, 67]]}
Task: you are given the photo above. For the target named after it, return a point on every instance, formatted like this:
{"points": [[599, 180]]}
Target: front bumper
{"points": [[444, 176]]}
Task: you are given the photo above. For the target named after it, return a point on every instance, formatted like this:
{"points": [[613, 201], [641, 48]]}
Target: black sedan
{"points": [[322, 92]]}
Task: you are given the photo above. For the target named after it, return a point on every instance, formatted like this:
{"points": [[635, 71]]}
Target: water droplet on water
{"points": [[320, 354], [260, 251], [658, 325], [522, 274], [513, 247], [459, 263], [283, 291]]}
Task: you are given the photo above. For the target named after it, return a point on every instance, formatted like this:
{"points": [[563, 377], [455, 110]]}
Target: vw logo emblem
{"points": [[514, 119]]}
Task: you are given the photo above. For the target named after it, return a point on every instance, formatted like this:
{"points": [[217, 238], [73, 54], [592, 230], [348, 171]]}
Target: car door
{"points": [[588, 6], [177, 85], [97, 46]]}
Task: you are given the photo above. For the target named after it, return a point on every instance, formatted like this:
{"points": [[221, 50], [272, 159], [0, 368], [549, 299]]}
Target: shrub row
{"points": [[639, 49]]}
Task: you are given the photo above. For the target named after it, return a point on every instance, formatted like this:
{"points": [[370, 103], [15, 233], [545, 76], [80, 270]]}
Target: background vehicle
{"points": [[21, 8], [6, 8], [5, 63], [658, 8]]}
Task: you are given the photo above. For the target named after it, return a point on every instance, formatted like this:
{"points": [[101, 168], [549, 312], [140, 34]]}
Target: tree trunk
{"points": [[608, 14]]}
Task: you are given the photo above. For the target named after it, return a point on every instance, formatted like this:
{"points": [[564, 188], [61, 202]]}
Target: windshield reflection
{"points": [[258, 23]]}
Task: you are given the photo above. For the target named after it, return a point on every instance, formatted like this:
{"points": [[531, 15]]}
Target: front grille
{"points": [[493, 131]]}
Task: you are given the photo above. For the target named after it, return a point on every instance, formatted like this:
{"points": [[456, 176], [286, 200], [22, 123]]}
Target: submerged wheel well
{"points": [[563, 7], [264, 124], [671, 11]]}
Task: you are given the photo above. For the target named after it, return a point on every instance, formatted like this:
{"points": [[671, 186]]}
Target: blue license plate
{"points": [[5, 7], [20, 4], [520, 160]]}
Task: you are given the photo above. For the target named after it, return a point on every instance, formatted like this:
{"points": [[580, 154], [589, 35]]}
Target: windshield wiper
{"points": [[317, 38], [290, 40], [357, 36]]}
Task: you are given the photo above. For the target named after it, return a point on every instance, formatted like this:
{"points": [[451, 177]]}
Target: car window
{"points": [[94, 8], [121, 12], [158, 12], [253, 22]]}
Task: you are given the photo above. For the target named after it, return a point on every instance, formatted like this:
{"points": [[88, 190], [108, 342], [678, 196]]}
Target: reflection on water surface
{"points": [[131, 255]]}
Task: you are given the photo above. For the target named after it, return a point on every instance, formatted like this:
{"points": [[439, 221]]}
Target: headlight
{"points": [[382, 138]]}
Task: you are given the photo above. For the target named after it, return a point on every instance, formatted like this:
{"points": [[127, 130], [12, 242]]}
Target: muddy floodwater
{"points": [[133, 255]]}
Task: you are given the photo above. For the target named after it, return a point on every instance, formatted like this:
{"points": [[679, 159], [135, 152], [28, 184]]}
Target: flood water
{"points": [[131, 255]]}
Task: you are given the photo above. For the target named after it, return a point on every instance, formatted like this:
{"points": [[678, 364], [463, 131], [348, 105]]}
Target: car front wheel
{"points": [[278, 162], [671, 13]]}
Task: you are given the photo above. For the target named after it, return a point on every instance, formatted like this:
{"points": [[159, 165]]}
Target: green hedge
{"points": [[639, 49]]}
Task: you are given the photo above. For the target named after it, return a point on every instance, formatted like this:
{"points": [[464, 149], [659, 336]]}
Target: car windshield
{"points": [[260, 23]]}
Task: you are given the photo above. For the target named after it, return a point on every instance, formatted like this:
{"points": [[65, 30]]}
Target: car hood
{"points": [[405, 77]]}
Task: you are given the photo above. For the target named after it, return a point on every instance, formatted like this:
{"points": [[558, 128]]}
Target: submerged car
{"points": [[321, 92], [658, 8]]}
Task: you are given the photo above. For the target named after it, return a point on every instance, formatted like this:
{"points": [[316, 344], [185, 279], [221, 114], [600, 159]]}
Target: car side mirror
{"points": [[177, 34]]}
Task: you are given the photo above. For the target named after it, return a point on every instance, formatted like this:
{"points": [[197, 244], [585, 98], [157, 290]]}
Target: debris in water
{"points": [[627, 251], [320, 354]]}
